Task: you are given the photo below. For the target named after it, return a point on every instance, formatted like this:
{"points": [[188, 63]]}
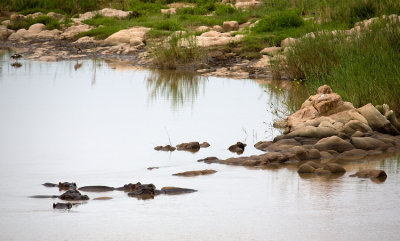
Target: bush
{"points": [[51, 23], [279, 20], [177, 51], [362, 69]]}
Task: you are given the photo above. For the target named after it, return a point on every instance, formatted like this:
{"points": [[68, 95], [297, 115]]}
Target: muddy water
{"points": [[97, 124]]}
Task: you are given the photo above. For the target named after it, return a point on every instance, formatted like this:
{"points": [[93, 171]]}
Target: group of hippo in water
{"points": [[138, 190]]}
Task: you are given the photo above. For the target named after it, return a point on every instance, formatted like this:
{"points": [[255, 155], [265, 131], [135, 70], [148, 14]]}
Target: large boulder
{"points": [[246, 4], [333, 143], [376, 120], [230, 26], [78, 28], [5, 32], [369, 143], [352, 155], [106, 12], [37, 28], [133, 35]]}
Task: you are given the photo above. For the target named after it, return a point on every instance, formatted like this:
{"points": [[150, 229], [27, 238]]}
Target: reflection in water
{"points": [[77, 65], [178, 87]]}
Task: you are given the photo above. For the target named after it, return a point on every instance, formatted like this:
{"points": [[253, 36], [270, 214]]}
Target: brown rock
{"points": [[369, 143], [313, 164], [334, 168], [324, 89], [275, 157], [352, 155], [306, 168], [321, 171], [376, 120], [333, 143], [262, 145], [209, 160], [102, 198]]}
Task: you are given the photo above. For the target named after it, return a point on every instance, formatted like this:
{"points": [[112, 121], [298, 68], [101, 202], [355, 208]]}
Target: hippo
{"points": [[61, 185], [96, 189], [129, 187], [143, 191], [73, 195], [62, 205], [238, 147]]}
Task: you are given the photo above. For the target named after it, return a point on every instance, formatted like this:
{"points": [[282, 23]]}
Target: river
{"points": [[96, 123]]}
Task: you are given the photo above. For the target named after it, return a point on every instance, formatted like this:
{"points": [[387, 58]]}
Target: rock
{"points": [[202, 29], [333, 143], [355, 125], [204, 145], [306, 168], [324, 89], [73, 195], [136, 34], [49, 34], [4, 32], [271, 51], [143, 191], [313, 132], [288, 42], [209, 160], [85, 40], [195, 173], [246, 4], [376, 120], [357, 134], [168, 11], [55, 15], [275, 157], [151, 168], [62, 205], [34, 15], [165, 148], [369, 143], [262, 145], [352, 155], [16, 17], [334, 168], [230, 26], [321, 171], [370, 173], [190, 146], [6, 23], [312, 154], [106, 12], [96, 189], [176, 190], [37, 28], [70, 32], [217, 28], [326, 156], [238, 147], [313, 164]]}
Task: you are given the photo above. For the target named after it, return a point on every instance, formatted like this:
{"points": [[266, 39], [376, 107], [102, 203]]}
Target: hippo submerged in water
{"points": [[61, 185]]}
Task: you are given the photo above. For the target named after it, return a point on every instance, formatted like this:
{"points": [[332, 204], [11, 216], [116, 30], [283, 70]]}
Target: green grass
{"points": [[177, 52], [51, 23], [361, 69]]}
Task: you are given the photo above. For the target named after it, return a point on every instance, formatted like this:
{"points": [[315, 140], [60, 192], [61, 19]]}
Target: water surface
{"points": [[97, 124]]}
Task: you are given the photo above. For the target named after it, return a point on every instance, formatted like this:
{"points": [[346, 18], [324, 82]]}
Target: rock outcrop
{"points": [[326, 129], [195, 173]]}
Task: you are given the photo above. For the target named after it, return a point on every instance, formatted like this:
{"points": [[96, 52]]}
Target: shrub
{"points": [[177, 52], [278, 21], [51, 23], [362, 69]]}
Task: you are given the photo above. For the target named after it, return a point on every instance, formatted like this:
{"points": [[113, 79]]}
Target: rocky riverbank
{"points": [[327, 131]]}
